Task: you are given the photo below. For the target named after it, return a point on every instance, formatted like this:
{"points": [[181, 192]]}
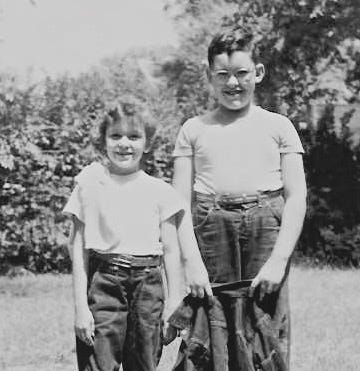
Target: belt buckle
{"points": [[217, 201], [123, 262], [238, 200], [243, 198]]}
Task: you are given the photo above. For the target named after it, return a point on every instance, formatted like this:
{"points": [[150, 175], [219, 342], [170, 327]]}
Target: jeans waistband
{"points": [[234, 199], [115, 261], [232, 289]]}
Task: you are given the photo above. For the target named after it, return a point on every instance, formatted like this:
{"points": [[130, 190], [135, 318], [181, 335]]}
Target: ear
{"points": [[259, 72]]}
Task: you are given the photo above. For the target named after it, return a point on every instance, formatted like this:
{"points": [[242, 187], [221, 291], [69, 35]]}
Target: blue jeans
{"points": [[127, 306], [235, 241]]}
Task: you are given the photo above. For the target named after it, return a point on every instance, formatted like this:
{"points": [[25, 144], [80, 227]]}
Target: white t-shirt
{"points": [[241, 157], [122, 214]]}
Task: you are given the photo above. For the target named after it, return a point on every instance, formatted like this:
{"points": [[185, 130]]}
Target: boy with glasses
{"points": [[240, 166]]}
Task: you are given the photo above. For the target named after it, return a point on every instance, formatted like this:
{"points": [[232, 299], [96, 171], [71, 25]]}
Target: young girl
{"points": [[124, 222]]}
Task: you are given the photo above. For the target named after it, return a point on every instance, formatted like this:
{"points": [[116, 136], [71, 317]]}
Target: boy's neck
{"points": [[225, 115]]}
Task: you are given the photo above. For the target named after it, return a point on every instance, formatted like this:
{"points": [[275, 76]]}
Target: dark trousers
{"points": [[235, 241], [230, 333], [127, 305]]}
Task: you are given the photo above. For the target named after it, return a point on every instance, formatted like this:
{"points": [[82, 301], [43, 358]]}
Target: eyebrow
{"points": [[233, 69]]}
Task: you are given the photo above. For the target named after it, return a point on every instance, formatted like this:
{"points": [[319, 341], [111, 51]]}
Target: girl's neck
{"points": [[121, 175]]}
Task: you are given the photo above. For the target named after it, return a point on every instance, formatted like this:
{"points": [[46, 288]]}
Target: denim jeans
{"points": [[235, 241], [230, 333], [127, 309]]}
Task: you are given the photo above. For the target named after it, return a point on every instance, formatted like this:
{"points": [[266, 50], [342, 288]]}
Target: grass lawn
{"points": [[37, 316]]}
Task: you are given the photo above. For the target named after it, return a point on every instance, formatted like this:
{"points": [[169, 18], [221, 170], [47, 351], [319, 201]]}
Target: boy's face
{"points": [[125, 145], [233, 78]]}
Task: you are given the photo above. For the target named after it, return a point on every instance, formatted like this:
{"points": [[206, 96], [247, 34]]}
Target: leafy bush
{"points": [[46, 139], [331, 229], [46, 128], [301, 45]]}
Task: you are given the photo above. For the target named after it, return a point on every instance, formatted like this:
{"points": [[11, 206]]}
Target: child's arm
{"points": [[173, 272], [172, 263], [196, 275], [183, 176], [195, 271], [272, 273], [84, 321]]}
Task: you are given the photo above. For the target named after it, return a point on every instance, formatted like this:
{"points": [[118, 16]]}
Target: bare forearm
{"points": [[194, 268], [80, 278], [195, 272], [291, 226], [80, 266], [295, 205], [172, 262], [272, 273], [183, 183], [173, 273], [188, 245]]}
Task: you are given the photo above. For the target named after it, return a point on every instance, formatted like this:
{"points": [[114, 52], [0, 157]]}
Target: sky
{"points": [[54, 36]]}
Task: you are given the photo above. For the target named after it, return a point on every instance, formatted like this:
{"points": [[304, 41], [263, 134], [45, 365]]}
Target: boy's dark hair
{"points": [[229, 41], [132, 113]]}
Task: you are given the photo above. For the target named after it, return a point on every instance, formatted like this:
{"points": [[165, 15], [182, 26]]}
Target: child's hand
{"points": [[197, 280], [170, 333], [270, 276], [84, 326]]}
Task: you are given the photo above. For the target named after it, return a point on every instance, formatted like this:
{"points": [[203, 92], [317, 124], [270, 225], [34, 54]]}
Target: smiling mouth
{"points": [[233, 92], [123, 154]]}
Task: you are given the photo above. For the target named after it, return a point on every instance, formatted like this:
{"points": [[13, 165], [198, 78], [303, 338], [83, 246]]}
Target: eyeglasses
{"points": [[223, 76]]}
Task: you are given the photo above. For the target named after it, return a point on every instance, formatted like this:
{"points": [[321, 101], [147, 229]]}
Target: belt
{"points": [[233, 289], [114, 262], [234, 200]]}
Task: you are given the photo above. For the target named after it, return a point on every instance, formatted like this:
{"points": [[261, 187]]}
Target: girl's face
{"points": [[233, 78], [125, 145]]}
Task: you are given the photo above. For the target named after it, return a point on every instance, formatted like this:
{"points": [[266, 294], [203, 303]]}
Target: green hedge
{"points": [[45, 140]]}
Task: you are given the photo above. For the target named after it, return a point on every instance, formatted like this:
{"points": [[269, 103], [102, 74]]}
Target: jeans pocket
{"points": [[150, 294], [92, 284], [201, 213], [276, 207]]}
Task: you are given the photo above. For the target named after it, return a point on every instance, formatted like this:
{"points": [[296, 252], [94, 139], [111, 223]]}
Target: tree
{"points": [[47, 131], [311, 52], [298, 42]]}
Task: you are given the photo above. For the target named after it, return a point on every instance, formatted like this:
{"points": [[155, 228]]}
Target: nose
{"points": [[232, 81], [123, 141]]}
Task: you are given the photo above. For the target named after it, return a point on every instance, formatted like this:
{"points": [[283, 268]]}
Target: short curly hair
{"points": [[231, 40], [130, 112]]}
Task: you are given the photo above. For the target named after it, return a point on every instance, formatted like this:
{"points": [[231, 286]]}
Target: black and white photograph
{"points": [[179, 185]]}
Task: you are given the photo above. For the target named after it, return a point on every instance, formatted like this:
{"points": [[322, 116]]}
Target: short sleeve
{"points": [[183, 144], [289, 138], [74, 205], [171, 202]]}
